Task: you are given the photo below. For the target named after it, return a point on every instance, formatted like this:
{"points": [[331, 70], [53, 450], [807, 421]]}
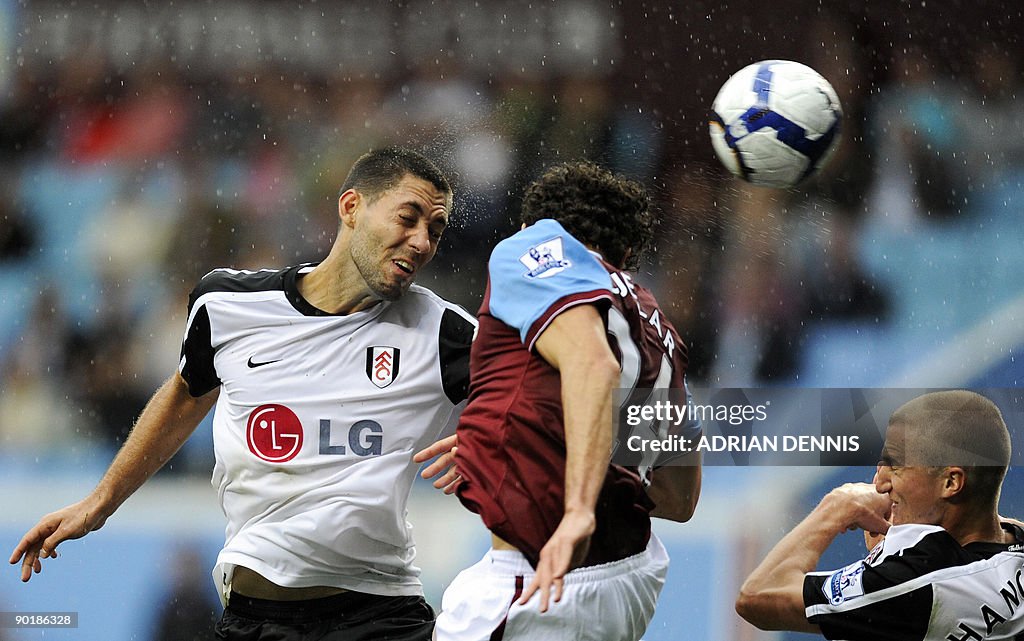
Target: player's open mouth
{"points": [[405, 266]]}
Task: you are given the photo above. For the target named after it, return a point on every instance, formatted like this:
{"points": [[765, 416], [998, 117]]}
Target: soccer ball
{"points": [[775, 122]]}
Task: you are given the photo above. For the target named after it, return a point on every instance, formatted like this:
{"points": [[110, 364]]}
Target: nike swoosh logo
{"points": [[253, 364]]}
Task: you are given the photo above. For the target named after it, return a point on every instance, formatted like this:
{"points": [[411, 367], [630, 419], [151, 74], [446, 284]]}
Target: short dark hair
{"points": [[607, 212], [379, 170], [963, 429]]}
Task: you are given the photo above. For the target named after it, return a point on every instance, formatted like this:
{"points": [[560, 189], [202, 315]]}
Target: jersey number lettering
{"points": [[630, 361]]}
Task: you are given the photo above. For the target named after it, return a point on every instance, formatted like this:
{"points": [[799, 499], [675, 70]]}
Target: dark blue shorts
{"points": [[350, 616]]}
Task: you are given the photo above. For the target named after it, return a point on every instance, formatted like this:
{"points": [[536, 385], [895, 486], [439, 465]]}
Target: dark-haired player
{"points": [[948, 569], [327, 377], [561, 326]]}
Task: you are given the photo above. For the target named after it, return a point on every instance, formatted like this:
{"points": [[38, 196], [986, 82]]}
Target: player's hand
{"points": [[448, 477], [71, 522], [564, 551], [871, 539], [860, 506]]}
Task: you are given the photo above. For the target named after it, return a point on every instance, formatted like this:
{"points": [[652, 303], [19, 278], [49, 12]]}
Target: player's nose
{"points": [[883, 479], [419, 239]]}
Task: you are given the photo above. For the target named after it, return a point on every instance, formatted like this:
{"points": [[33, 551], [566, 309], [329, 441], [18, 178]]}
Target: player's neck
{"points": [[971, 528], [336, 290]]}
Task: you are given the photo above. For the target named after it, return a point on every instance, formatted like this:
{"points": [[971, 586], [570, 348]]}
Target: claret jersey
{"points": [[316, 422], [511, 435]]}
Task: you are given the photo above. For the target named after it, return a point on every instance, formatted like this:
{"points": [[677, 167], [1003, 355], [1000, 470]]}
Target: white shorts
{"points": [[610, 602]]}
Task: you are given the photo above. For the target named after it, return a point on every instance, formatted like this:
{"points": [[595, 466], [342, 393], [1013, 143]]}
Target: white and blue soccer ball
{"points": [[775, 122]]}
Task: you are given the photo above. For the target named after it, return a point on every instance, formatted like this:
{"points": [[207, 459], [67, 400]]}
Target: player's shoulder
{"points": [[225, 279], [422, 296], [915, 539], [538, 233], [540, 251], [420, 303]]}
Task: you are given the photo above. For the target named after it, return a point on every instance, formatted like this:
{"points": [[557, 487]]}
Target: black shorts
{"points": [[350, 616]]}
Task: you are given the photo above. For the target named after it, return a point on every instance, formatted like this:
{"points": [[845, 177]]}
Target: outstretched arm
{"points": [[772, 596], [168, 420], [575, 343]]}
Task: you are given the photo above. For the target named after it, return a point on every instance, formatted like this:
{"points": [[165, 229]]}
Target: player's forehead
{"points": [[907, 445], [893, 452], [415, 190]]}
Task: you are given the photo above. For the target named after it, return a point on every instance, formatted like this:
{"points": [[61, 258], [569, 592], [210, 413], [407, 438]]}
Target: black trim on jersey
{"points": [[453, 342], [223, 280], [987, 550], [902, 618], [198, 370], [286, 280], [291, 291]]}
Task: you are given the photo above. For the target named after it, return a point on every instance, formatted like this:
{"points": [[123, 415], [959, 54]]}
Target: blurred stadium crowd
{"points": [[127, 177]]}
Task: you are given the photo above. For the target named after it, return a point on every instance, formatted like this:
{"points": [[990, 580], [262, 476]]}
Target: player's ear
{"points": [[953, 481], [348, 203]]}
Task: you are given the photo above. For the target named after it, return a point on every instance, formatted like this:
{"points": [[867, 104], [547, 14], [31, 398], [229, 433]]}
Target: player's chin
{"points": [[393, 290]]}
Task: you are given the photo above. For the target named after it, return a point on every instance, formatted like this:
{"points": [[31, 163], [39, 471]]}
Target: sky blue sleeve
{"points": [[538, 267]]}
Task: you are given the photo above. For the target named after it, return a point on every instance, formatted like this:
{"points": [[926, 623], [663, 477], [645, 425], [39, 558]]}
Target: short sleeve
{"points": [[196, 365], [540, 272], [888, 595], [455, 339]]}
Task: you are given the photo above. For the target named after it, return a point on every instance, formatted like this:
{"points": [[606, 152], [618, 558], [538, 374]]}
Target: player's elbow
{"points": [[675, 491], [678, 507], [752, 607], [684, 512], [765, 605]]}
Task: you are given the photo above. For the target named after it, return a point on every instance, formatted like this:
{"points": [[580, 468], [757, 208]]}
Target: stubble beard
{"points": [[374, 277]]}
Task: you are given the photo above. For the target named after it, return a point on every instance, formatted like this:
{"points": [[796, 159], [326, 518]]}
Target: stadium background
{"points": [[142, 144]]}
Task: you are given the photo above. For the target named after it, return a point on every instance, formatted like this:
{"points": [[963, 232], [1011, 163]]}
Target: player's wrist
{"points": [[581, 516], [103, 501]]}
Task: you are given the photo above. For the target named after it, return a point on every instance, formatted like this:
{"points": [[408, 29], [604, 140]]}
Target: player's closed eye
{"points": [[887, 461]]}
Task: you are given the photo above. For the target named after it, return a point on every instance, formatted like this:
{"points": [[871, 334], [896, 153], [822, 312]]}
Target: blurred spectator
{"points": [[25, 115], [208, 234], [687, 256], [760, 295], [17, 233], [189, 609], [33, 395], [581, 120], [828, 212], [123, 239], [918, 144], [993, 116]]}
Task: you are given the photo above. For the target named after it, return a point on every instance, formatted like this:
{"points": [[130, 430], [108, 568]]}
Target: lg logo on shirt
{"points": [[274, 434]]}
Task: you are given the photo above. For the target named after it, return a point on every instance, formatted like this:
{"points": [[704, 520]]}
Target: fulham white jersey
{"points": [[919, 584], [316, 423]]}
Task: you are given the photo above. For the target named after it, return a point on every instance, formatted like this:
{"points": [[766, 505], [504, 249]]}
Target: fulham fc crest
{"points": [[382, 365]]}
